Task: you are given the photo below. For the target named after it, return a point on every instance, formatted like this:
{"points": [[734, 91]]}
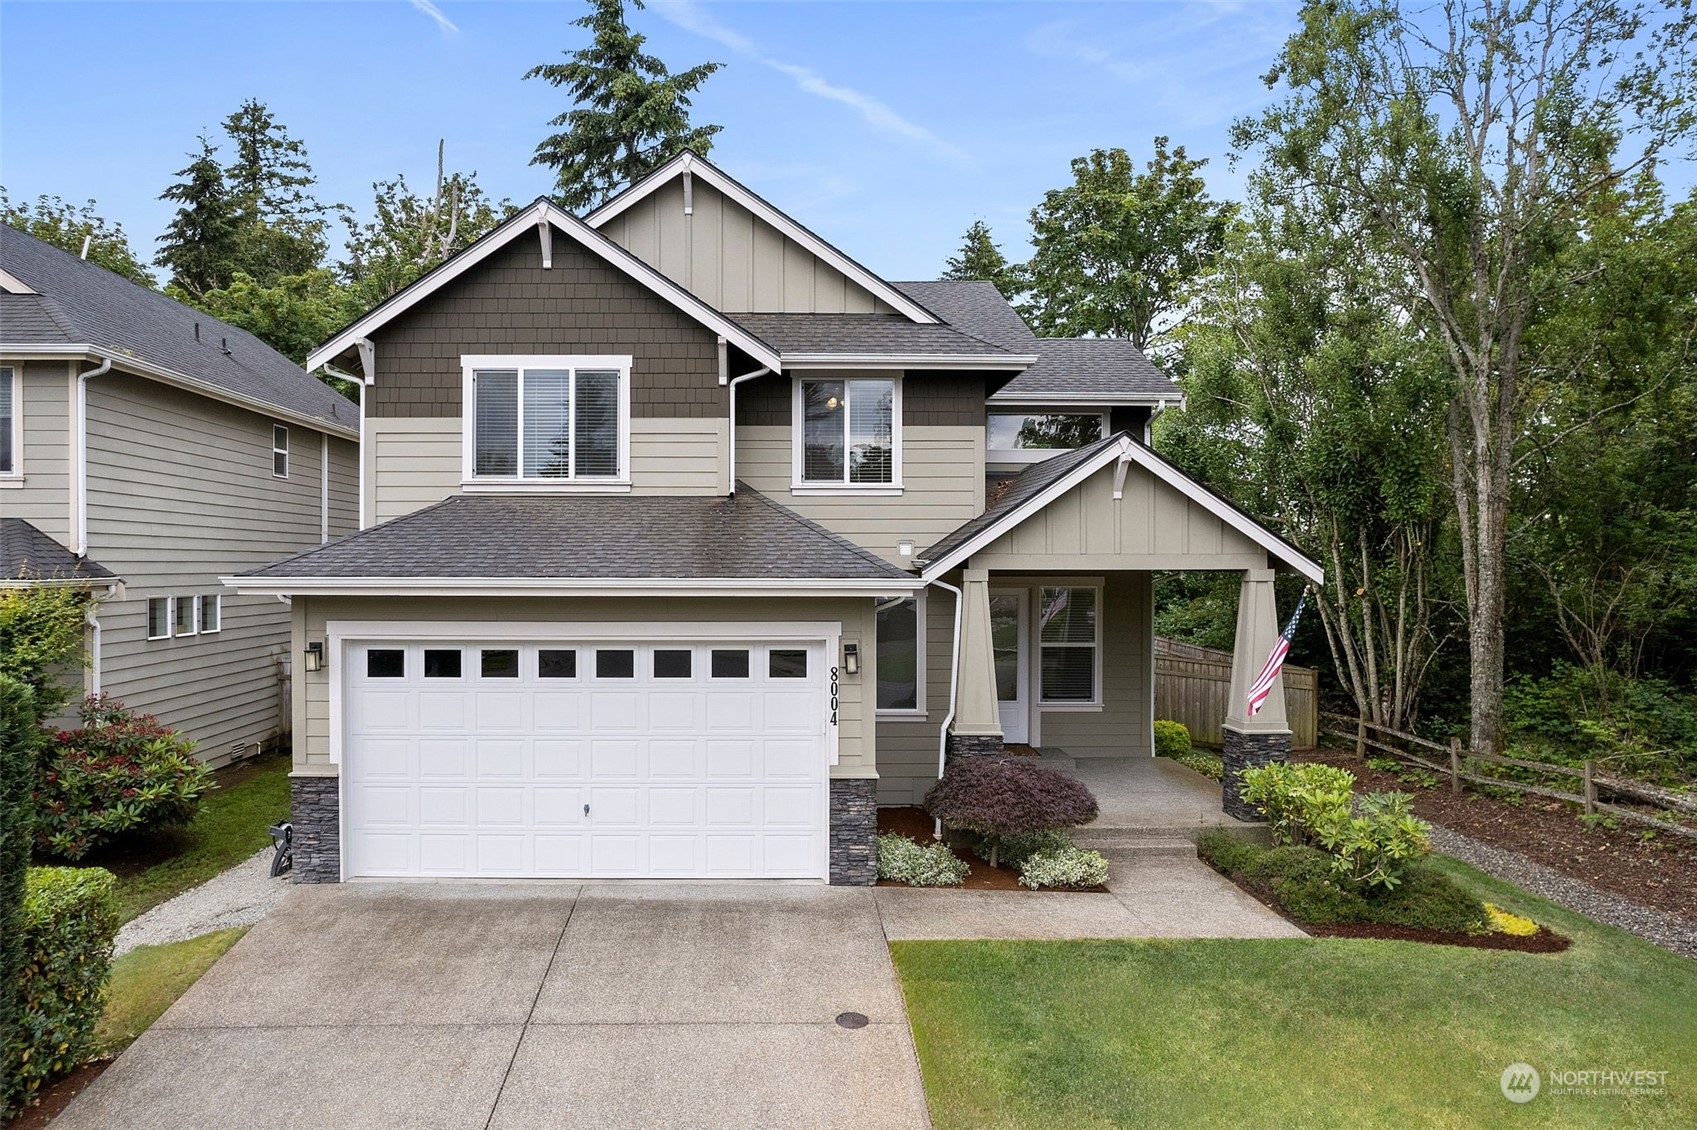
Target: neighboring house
{"points": [[666, 513], [147, 449]]}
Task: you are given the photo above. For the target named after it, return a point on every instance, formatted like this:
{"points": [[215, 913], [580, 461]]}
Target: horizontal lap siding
{"points": [[907, 747], [942, 473], [181, 493], [678, 456], [856, 742], [344, 487], [44, 498]]}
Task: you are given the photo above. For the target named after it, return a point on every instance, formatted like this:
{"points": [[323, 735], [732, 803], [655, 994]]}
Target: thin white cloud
{"points": [[434, 13], [877, 113]]}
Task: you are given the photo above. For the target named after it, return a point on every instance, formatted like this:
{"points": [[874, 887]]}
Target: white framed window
{"points": [[183, 616], [158, 617], [901, 655], [279, 451], [211, 613], [848, 435], [11, 422], [547, 422], [1069, 641], [1030, 435]]}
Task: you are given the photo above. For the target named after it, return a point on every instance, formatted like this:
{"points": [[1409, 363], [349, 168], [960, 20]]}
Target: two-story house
{"points": [[687, 541], [146, 450]]}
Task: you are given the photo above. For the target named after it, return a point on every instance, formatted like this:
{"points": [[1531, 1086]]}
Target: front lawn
{"points": [[1321, 1032], [149, 979], [230, 826]]}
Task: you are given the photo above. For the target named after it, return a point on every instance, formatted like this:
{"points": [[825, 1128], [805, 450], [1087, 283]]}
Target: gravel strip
{"points": [[240, 896], [1664, 930]]}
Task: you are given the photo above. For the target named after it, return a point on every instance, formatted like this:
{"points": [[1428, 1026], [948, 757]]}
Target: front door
{"points": [[1007, 639]]}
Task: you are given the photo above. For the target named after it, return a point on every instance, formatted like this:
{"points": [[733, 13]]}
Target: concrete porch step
{"points": [[1138, 841]]}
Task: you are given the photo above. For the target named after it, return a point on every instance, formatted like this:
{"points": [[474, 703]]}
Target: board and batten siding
{"points": [[414, 461], [181, 492], [42, 496], [731, 259], [856, 752]]}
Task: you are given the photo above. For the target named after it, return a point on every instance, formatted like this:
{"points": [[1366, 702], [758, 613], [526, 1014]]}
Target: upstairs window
{"points": [[8, 422], [849, 432], [1029, 436], [547, 419], [279, 451]]}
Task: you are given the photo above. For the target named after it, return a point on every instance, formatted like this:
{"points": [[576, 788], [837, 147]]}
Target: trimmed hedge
{"points": [[20, 738], [1172, 739], [69, 922]]}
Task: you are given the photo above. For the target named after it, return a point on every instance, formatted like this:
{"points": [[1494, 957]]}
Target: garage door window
{"points": [[786, 664], [385, 663], [671, 664], [441, 663], [615, 663], [500, 664], [730, 663], [556, 663]]}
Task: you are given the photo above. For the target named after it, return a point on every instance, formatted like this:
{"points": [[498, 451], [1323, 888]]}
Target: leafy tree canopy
{"points": [[63, 224], [629, 114]]}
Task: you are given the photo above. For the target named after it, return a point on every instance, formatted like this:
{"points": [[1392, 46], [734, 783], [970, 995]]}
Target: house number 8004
{"points": [[833, 696]]}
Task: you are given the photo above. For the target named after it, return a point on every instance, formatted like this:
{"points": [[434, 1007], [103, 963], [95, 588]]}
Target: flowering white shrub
{"points": [[919, 865], [1067, 867]]}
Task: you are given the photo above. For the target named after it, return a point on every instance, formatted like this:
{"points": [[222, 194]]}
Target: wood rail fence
{"points": [[1192, 684], [1458, 764]]}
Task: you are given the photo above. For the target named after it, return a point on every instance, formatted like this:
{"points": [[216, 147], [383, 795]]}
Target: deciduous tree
{"points": [[55, 220]]}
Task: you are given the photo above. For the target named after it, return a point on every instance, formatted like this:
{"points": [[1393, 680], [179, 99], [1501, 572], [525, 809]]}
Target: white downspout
{"points": [[731, 488], [81, 539], [323, 488], [954, 688]]}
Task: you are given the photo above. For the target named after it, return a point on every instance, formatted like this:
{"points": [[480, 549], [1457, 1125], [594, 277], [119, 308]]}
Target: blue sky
{"points": [[886, 127]]}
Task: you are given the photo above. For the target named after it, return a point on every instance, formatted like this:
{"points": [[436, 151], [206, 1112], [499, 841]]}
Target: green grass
{"points": [[1298, 1032], [147, 980], [229, 827]]}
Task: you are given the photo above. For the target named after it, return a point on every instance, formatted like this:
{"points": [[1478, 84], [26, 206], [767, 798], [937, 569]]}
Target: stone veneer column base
{"points": [[854, 831], [1247, 750], [315, 811], [975, 745]]}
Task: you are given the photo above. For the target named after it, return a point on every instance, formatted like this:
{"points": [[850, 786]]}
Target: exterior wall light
{"points": [[851, 659], [315, 656]]}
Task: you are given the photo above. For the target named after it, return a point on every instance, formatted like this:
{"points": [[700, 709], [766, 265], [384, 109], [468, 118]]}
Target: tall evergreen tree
{"points": [[269, 180], [629, 113], [979, 258], [199, 244]]}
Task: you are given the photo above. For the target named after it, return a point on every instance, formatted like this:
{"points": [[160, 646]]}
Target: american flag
{"points": [[1263, 685]]}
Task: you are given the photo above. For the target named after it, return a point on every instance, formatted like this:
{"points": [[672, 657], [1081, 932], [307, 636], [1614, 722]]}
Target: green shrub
{"points": [[70, 920], [120, 772], [41, 637], [1008, 796], [919, 865], [19, 739], [1376, 841], [1297, 798], [1429, 899], [1171, 738], [1210, 765], [1015, 850], [1064, 867], [1304, 880], [1228, 851]]}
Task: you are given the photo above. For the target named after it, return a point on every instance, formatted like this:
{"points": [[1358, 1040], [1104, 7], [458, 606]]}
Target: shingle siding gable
{"points": [[509, 304]]}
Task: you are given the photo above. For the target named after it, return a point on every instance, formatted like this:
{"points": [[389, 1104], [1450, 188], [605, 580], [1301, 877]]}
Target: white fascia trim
{"points": [[697, 166], [589, 586], [1025, 399], [1128, 451], [183, 381], [524, 224], [977, 361], [12, 284], [59, 583]]}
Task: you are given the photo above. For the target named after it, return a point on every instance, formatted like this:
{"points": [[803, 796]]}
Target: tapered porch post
{"points": [[1252, 742], [978, 724]]}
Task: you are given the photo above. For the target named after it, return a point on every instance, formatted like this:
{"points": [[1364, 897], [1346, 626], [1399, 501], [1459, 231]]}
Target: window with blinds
{"points": [[848, 432], [547, 421], [1069, 637], [8, 456]]}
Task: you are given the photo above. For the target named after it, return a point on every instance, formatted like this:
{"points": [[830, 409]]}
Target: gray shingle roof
{"points": [[555, 537], [1066, 366], [1028, 484], [78, 302], [862, 333], [28, 554]]}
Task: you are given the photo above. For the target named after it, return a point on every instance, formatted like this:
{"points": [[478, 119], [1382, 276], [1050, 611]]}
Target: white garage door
{"points": [[604, 759]]}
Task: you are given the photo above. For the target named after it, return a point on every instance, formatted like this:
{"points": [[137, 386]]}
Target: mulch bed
{"points": [[916, 824], [56, 1096], [1659, 873]]}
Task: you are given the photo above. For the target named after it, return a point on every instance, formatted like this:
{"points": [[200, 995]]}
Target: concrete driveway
{"points": [[533, 1005]]}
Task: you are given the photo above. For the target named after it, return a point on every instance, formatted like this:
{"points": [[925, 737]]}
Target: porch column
{"points": [[978, 724], [1248, 743]]}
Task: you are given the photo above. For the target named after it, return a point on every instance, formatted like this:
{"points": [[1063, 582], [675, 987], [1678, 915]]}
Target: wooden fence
{"points": [[1460, 765], [1192, 684]]}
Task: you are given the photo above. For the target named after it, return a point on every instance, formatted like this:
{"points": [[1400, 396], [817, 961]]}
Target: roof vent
{"points": [[197, 331], [224, 345]]}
